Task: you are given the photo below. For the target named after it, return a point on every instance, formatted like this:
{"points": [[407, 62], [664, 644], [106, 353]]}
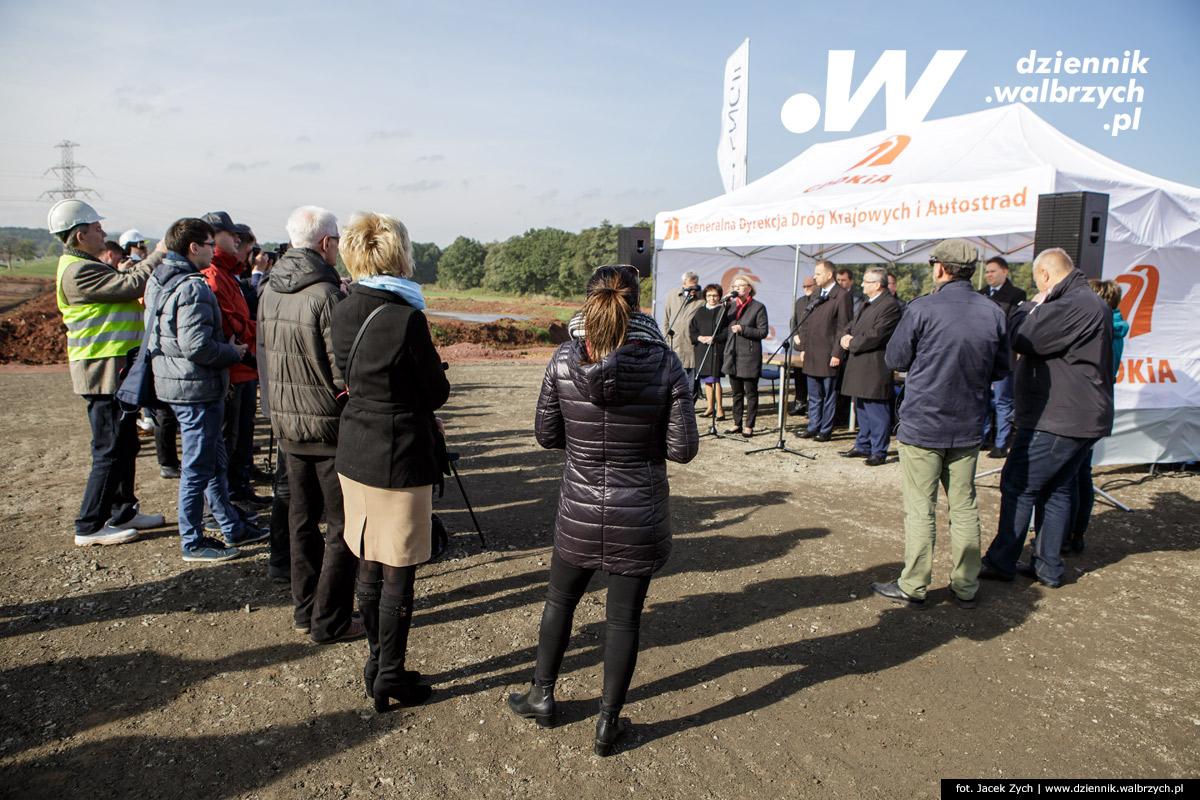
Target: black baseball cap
{"points": [[221, 221]]}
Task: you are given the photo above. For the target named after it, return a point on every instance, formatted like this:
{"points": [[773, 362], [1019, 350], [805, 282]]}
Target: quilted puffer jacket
{"points": [[295, 342], [620, 420]]}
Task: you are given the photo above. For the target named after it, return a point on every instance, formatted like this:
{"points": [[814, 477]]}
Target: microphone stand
{"points": [[712, 426], [781, 443]]}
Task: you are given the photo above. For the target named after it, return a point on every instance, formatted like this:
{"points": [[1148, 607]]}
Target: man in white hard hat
{"points": [[134, 245], [100, 307]]}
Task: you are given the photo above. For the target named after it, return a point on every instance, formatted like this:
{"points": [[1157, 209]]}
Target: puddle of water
{"points": [[473, 317]]}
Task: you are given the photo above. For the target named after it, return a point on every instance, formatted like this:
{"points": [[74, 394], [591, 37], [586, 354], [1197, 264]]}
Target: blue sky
{"points": [[487, 119]]}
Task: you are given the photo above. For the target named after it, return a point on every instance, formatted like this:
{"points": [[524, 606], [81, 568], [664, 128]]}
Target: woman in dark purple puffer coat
{"points": [[617, 399]]}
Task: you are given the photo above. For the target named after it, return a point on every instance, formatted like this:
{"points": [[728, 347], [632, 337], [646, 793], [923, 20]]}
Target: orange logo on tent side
{"points": [[730, 274], [885, 152], [1137, 305], [672, 229]]}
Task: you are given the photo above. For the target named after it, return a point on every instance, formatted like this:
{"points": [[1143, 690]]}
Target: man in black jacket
{"points": [[867, 378], [826, 318], [1064, 403], [951, 342], [1000, 290]]}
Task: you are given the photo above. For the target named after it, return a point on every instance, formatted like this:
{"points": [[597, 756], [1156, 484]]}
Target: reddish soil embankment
{"points": [[32, 333]]}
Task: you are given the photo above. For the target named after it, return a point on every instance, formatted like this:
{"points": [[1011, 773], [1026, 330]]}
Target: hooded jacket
{"points": [[295, 316], [235, 313], [1064, 378], [620, 420], [190, 356]]}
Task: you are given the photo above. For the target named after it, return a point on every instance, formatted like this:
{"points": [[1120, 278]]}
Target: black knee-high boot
{"points": [[392, 680], [368, 606]]}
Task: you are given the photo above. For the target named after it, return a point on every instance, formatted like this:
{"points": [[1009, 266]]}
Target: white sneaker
{"points": [[106, 535], [145, 424], [140, 522]]}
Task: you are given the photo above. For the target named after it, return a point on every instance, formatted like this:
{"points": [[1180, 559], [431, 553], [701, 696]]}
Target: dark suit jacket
{"points": [[865, 374], [1008, 297], [821, 331]]}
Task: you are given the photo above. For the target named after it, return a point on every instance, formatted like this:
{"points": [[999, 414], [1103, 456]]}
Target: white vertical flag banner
{"points": [[731, 149]]}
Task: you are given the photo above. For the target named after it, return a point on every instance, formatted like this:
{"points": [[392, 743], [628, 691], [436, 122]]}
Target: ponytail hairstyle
{"points": [[612, 295]]}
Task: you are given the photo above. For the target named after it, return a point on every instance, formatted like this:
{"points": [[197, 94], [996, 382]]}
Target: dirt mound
{"points": [[501, 334], [470, 353], [33, 333]]}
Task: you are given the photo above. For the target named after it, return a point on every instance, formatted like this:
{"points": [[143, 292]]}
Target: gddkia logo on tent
{"points": [[802, 112]]}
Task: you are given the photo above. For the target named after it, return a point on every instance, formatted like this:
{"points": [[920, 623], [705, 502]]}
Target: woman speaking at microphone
{"points": [[746, 319]]}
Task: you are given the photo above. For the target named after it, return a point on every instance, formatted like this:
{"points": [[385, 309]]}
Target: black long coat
{"points": [[743, 351], [865, 375], [822, 331], [703, 323], [388, 436], [620, 420]]}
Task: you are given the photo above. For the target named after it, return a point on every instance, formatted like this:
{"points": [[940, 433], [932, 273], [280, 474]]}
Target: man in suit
{"points": [[826, 317], [845, 279], [867, 378], [1000, 290], [800, 407], [893, 288]]}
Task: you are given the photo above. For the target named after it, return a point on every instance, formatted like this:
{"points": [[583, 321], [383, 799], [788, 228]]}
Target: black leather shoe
{"points": [[853, 452], [998, 452], [168, 473], [893, 592], [536, 704], [1077, 544], [988, 573], [734, 432], [608, 731], [808, 435], [1027, 570], [798, 410], [962, 603], [875, 461], [822, 437]]}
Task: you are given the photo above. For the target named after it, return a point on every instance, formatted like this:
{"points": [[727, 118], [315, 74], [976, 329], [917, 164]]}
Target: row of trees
{"points": [[545, 261]]}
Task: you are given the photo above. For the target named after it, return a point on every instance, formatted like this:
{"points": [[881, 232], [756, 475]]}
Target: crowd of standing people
{"points": [[205, 329]]}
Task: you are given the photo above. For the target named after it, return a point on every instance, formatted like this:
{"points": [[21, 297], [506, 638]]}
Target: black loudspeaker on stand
{"points": [[636, 248], [1076, 222]]}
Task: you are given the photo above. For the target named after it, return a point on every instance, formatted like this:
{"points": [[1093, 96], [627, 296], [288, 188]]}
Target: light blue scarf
{"points": [[406, 289]]}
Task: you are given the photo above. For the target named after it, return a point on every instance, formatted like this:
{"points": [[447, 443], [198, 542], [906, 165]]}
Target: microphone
{"points": [[730, 296]]}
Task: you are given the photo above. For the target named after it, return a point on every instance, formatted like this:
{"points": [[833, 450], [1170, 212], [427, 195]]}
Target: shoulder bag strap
{"points": [[358, 338]]}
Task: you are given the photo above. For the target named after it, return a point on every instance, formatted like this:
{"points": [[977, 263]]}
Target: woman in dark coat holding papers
{"points": [[708, 334], [389, 446], [746, 320]]}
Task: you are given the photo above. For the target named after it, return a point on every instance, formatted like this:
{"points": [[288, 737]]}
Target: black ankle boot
{"points": [[608, 730], [392, 681], [368, 607], [537, 703]]}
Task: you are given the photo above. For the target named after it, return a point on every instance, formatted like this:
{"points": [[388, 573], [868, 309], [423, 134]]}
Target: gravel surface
{"points": [[767, 668]]}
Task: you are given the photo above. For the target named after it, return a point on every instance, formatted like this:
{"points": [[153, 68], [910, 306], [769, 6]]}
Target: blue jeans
{"points": [[874, 426], [822, 401], [1041, 469], [1001, 401], [202, 472]]}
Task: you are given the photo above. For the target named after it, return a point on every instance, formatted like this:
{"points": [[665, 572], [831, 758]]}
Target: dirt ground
{"points": [[767, 668]]}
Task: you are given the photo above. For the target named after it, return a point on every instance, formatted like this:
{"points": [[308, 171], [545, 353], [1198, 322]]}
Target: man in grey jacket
{"points": [[191, 374], [303, 384]]}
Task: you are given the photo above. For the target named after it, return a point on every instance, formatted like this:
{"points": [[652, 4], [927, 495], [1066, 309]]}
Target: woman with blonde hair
{"points": [[389, 446], [617, 400]]}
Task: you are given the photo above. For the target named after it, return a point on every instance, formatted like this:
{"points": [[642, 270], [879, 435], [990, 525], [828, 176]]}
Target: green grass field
{"points": [[38, 268]]}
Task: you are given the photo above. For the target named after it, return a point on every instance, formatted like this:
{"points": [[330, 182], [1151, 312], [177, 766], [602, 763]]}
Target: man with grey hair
{"points": [[866, 377], [303, 382], [951, 342], [1064, 403], [680, 307]]}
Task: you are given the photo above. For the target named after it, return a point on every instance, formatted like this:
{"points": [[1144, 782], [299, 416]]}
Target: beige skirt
{"points": [[390, 526]]}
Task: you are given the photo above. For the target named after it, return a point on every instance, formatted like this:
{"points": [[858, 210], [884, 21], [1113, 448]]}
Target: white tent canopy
{"points": [[888, 196]]}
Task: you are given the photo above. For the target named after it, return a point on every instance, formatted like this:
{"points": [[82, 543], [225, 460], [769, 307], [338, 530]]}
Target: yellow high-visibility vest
{"points": [[98, 330]]}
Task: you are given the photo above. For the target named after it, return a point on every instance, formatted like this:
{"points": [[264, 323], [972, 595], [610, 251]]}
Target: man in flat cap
{"points": [[952, 344]]}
